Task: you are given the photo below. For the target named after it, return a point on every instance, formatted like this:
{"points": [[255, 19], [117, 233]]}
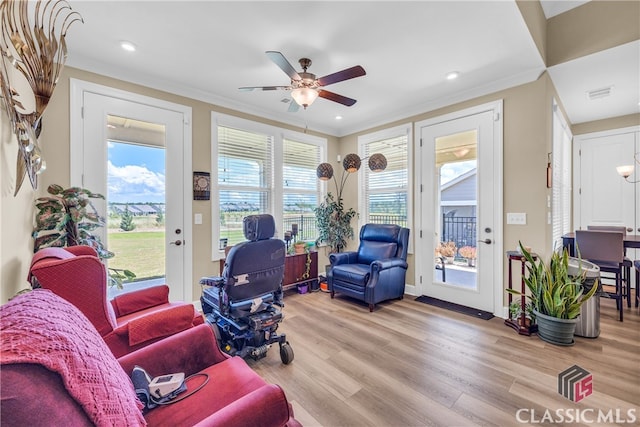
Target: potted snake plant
{"points": [[555, 295]]}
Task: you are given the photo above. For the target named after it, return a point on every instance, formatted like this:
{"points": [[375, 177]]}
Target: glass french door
{"points": [[457, 210], [133, 153]]}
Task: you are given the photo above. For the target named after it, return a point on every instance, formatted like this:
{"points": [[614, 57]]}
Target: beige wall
{"points": [[17, 213], [606, 124], [590, 28], [16, 216], [527, 140], [533, 16]]}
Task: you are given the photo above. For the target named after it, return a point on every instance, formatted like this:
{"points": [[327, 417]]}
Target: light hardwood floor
{"points": [[412, 364]]}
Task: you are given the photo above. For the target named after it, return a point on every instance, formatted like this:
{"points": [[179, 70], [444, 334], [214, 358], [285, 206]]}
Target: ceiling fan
{"points": [[305, 87]]}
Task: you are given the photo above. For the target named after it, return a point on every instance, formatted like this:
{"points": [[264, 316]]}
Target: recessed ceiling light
{"points": [[452, 75], [338, 117], [128, 46]]}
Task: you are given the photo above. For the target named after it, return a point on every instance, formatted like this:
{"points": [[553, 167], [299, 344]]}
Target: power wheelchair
{"points": [[244, 305]]}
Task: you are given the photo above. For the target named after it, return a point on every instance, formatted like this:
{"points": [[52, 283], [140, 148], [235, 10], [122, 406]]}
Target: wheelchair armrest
{"points": [[350, 257], [189, 351], [216, 281]]}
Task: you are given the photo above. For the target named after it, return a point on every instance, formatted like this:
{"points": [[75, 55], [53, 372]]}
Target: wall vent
{"points": [[600, 93], [285, 100]]}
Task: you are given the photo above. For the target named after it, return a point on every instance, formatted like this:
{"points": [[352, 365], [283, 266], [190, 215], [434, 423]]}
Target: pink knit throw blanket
{"points": [[40, 327]]}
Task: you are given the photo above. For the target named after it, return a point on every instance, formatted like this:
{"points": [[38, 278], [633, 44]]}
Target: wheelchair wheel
{"points": [[216, 330], [286, 353]]}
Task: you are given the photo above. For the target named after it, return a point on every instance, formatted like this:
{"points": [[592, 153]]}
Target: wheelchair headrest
{"points": [[259, 227]]}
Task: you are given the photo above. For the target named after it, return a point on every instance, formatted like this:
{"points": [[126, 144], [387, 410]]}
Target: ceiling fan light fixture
{"points": [[304, 96], [461, 152]]}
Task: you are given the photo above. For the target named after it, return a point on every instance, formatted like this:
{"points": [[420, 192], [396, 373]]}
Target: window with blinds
{"points": [[262, 169], [301, 188], [245, 179], [561, 178], [385, 195]]}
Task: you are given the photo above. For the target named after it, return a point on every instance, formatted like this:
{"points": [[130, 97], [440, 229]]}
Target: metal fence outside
{"points": [[401, 220], [459, 229], [306, 226]]}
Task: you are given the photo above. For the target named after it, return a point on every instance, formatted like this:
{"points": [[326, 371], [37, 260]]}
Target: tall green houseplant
{"points": [[334, 223], [68, 218], [555, 295]]}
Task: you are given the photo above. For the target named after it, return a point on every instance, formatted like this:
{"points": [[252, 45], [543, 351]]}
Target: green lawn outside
{"points": [[142, 252]]}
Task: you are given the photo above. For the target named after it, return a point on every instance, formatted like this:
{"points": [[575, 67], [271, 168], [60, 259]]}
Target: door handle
{"points": [[487, 241], [177, 242]]}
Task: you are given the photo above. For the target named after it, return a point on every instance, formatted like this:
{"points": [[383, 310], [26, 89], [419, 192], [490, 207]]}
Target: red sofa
{"points": [[56, 370], [126, 323]]}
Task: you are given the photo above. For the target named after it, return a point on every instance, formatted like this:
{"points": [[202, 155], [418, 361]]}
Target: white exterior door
{"points": [[602, 196], [478, 287], [95, 109]]}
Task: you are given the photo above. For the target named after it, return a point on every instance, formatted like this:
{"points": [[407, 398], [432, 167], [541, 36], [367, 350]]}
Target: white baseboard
{"points": [[411, 290]]}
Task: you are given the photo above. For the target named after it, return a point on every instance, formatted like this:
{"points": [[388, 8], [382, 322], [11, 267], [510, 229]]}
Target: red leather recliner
{"points": [[126, 323], [56, 370]]}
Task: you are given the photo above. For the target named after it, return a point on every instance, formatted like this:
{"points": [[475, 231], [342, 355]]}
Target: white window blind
{"points": [[385, 194], [245, 179], [262, 169], [301, 188], [561, 178]]}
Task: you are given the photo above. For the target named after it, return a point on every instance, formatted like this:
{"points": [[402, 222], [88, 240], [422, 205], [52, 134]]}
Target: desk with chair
{"points": [[628, 241]]}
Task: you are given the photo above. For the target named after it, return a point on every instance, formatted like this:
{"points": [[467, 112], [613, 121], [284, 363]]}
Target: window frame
{"points": [[276, 188], [561, 189], [405, 130]]}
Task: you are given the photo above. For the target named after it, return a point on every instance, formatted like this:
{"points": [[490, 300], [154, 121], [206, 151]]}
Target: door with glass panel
{"points": [[133, 154], [457, 205]]}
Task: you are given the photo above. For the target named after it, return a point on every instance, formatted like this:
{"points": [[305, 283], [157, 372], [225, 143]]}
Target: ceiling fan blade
{"points": [[293, 107], [347, 74], [336, 98], [250, 88], [284, 65]]}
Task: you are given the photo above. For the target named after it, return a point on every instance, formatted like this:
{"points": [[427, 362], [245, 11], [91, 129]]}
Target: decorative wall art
{"points": [[201, 186], [32, 55]]}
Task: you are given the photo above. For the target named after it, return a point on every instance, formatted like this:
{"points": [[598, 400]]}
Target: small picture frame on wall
{"points": [[201, 185]]}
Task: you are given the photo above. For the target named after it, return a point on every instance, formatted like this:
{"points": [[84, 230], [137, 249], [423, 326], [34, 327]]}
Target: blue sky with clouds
{"points": [[452, 170], [136, 174]]}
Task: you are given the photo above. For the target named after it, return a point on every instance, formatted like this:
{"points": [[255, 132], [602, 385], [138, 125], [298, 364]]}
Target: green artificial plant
{"points": [[334, 223], [68, 218]]}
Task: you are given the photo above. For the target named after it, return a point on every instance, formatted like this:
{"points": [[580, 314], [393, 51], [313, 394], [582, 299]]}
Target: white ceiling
{"points": [[206, 50]]}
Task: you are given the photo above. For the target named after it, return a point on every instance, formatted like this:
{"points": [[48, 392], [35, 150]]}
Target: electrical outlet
{"points": [[516, 218]]}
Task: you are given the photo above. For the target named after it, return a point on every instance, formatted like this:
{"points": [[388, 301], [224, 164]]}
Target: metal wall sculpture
{"points": [[32, 55]]}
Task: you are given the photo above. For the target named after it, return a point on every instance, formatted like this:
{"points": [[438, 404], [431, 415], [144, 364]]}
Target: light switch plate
{"points": [[516, 218], [197, 218]]}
